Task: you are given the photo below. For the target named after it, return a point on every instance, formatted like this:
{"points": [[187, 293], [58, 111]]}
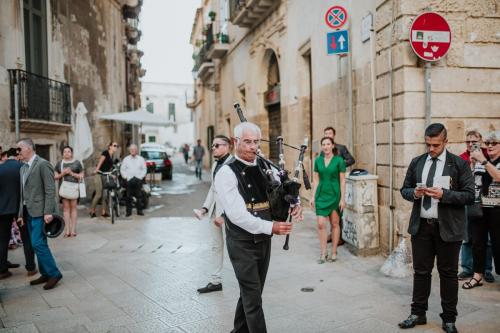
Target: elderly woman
{"points": [[71, 171], [328, 200], [490, 202]]}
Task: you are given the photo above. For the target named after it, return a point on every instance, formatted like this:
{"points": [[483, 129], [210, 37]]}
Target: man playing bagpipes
{"points": [[242, 189]]}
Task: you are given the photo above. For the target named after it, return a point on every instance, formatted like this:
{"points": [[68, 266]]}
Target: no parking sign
{"points": [[336, 17]]}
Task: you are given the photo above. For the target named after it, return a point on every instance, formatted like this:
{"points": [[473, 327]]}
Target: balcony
{"points": [[249, 13], [134, 54], [44, 104], [132, 31], [132, 9], [203, 65], [216, 45]]}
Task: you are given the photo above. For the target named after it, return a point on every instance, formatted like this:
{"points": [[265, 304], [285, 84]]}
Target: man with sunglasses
{"points": [[221, 148], [439, 184]]}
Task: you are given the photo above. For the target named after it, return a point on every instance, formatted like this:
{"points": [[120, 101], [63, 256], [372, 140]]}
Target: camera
{"points": [[476, 146]]}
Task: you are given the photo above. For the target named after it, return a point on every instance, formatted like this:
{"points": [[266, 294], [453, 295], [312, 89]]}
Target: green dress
{"points": [[327, 196]]}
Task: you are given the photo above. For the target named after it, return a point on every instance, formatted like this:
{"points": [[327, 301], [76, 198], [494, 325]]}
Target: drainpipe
{"points": [[349, 95], [16, 105], [374, 110], [391, 143]]}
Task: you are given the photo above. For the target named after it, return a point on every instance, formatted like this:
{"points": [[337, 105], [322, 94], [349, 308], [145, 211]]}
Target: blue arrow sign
{"points": [[337, 42]]}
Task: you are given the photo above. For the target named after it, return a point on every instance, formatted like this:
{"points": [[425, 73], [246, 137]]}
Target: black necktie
{"points": [[429, 182]]}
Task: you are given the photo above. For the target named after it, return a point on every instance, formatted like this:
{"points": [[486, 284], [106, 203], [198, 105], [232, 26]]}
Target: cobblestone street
{"points": [[141, 275]]}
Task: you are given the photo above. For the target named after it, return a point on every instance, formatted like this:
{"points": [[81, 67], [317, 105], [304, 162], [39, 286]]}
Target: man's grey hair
{"points": [[246, 127], [27, 142], [492, 136], [133, 145]]}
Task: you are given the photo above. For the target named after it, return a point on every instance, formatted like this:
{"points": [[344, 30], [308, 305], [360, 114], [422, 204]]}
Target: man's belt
{"points": [[258, 206], [430, 221]]}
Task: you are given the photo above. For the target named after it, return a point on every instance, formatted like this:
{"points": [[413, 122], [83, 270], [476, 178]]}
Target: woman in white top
{"points": [[69, 170]]}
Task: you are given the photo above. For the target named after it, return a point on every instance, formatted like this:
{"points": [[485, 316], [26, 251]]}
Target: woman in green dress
{"points": [[328, 200]]}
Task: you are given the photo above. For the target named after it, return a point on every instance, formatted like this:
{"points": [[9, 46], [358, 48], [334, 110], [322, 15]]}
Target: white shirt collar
{"points": [[441, 156], [30, 162], [246, 162]]}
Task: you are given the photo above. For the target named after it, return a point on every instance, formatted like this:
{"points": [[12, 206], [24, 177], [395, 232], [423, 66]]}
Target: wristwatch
{"points": [[484, 162]]}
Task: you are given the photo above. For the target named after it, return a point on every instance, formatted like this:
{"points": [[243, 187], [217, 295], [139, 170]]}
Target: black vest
{"points": [[252, 185]]}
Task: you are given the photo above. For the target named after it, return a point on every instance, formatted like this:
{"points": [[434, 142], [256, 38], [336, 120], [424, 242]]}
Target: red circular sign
{"points": [[430, 36], [336, 17]]}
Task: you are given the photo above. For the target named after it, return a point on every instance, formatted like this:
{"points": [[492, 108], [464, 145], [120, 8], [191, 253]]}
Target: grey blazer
{"points": [[39, 190]]}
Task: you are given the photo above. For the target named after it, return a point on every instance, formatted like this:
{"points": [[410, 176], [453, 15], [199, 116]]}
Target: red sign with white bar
{"points": [[430, 36]]}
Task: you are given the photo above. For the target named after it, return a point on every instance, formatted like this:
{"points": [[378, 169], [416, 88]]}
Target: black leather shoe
{"points": [[412, 321], [11, 265], [40, 280], [449, 328], [141, 213], [5, 275], [210, 287]]}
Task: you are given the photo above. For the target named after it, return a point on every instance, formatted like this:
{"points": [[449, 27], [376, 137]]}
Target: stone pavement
{"points": [[141, 275]]}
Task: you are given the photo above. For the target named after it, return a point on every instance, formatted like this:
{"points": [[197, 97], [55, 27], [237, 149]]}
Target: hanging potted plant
{"points": [[212, 15]]}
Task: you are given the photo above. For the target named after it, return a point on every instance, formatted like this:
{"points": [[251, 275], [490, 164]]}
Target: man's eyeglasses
{"points": [[115, 145], [216, 145], [471, 142], [491, 143]]}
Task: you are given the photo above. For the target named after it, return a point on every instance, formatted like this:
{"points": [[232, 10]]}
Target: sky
{"points": [[166, 28]]}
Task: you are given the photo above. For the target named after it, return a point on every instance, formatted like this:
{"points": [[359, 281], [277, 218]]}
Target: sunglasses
{"points": [[116, 146], [471, 142], [216, 145], [491, 143]]}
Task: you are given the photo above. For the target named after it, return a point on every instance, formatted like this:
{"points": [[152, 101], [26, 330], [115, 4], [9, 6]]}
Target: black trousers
{"points": [[29, 252], [426, 246], [134, 187], [489, 223], [250, 261], [5, 232]]}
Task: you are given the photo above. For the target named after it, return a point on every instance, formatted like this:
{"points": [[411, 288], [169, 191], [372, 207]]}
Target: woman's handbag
{"points": [[69, 190], [82, 189]]}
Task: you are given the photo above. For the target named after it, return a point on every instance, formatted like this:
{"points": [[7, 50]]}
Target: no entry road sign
{"points": [[336, 17], [430, 36], [337, 42]]}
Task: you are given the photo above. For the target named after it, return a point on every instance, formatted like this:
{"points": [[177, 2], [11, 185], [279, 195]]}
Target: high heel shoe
{"points": [[321, 259]]}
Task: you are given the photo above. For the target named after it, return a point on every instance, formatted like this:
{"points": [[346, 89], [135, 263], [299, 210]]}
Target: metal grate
{"points": [[40, 98]]}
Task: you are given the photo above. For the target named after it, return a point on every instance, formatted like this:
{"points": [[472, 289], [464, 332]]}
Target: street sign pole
{"points": [[427, 79], [349, 92]]}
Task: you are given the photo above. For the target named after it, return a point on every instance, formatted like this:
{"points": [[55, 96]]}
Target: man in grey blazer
{"points": [[221, 147], [439, 184], [37, 204]]}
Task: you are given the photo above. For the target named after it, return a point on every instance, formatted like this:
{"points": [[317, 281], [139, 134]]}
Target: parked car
{"points": [[157, 154]]}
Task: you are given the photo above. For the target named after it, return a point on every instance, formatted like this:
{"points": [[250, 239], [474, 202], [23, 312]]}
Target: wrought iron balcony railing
{"points": [[39, 98]]}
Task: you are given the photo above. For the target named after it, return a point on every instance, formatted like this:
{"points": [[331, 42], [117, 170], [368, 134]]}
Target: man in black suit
{"points": [[9, 204], [439, 184]]}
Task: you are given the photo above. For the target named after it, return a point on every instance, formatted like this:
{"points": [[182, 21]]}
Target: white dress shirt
{"points": [[133, 166], [233, 205], [432, 212]]}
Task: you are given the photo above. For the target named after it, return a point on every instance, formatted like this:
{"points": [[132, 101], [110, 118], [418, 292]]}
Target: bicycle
{"points": [[111, 186]]}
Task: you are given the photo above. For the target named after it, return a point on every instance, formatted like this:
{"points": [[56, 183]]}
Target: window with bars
{"points": [[35, 36]]}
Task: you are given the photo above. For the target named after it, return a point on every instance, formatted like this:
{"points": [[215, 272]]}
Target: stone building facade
{"points": [[274, 62], [54, 54]]}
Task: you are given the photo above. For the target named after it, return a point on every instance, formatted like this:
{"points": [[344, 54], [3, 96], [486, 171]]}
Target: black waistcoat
{"points": [[252, 185]]}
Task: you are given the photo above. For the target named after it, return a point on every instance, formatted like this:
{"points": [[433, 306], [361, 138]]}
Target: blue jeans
{"points": [[46, 262], [199, 165], [466, 253]]}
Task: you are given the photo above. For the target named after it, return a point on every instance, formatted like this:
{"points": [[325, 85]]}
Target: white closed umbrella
{"points": [[83, 147]]}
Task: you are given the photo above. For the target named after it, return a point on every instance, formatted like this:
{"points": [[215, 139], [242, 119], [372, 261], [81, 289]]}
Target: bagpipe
{"points": [[283, 194]]}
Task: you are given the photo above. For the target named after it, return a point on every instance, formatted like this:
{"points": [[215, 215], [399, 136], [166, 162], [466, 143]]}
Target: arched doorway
{"points": [[273, 105]]}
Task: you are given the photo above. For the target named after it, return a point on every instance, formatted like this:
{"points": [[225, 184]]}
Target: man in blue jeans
{"points": [[37, 204]]}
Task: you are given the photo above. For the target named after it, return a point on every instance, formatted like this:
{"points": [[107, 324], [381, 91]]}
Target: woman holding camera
{"points": [[490, 202], [69, 172]]}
